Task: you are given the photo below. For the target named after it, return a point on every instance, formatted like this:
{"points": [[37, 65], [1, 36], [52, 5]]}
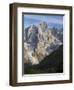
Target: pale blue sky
{"points": [[52, 20]]}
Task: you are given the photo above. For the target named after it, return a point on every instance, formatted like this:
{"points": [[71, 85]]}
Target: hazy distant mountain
{"points": [[39, 42], [58, 33]]}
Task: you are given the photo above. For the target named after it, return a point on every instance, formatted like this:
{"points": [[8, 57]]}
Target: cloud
{"points": [[47, 18]]}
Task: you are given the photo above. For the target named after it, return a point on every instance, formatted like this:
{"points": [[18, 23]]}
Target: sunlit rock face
{"points": [[39, 42]]}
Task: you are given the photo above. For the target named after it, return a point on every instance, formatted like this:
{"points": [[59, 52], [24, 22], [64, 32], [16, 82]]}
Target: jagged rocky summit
{"points": [[39, 42]]}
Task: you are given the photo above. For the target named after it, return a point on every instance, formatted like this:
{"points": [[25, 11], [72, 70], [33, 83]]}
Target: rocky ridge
{"points": [[39, 42]]}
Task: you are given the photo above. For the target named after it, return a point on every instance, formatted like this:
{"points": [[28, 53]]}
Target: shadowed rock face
{"points": [[39, 42], [52, 63]]}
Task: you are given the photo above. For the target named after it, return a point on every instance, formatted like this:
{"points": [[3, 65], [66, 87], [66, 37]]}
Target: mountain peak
{"points": [[41, 43], [43, 26], [33, 26]]}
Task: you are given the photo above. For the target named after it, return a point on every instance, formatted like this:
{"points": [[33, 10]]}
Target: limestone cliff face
{"points": [[39, 43]]}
